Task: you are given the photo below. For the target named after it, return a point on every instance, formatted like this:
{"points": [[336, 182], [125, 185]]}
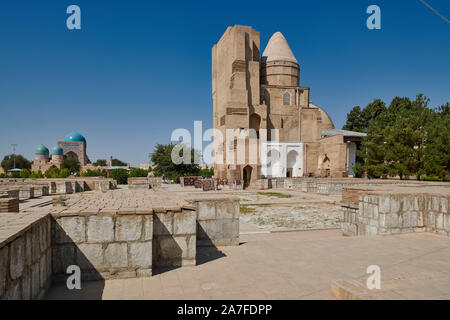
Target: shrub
{"points": [[24, 173], [138, 173], [63, 173], [15, 174], [120, 175], [94, 173], [36, 175], [52, 172], [3, 175]]}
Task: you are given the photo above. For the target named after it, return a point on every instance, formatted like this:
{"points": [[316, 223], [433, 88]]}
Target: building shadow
{"points": [[206, 250]]}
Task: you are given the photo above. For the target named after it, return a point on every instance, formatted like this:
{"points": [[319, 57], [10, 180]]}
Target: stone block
{"points": [[128, 228], [89, 256], [100, 228], [206, 210], [393, 220], [144, 273], [384, 204], [140, 254], [42, 227], [35, 245], [116, 255], [212, 229], [70, 230], [3, 268], [444, 205], [191, 247], [184, 222], [148, 227], [395, 205], [435, 204], [163, 223], [43, 270], [26, 285], [228, 228], [35, 279], [63, 256], [171, 248], [225, 209], [28, 247], [17, 258], [440, 221], [14, 292], [371, 230]]}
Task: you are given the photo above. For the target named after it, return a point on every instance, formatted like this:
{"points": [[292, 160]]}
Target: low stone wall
{"points": [[261, 184], [26, 192], [174, 238], [105, 245], [25, 257], [138, 183], [155, 182], [397, 213], [41, 190], [217, 221], [64, 187], [9, 204]]}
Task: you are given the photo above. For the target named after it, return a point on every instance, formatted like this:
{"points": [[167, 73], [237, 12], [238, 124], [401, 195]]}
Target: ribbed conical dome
{"points": [[278, 49]]}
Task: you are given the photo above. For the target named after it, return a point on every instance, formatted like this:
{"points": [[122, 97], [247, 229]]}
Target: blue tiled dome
{"points": [[57, 150], [75, 136], [41, 149]]}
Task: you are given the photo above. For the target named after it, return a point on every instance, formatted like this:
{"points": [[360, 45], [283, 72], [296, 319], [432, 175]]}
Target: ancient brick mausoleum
{"points": [[263, 93], [73, 146]]}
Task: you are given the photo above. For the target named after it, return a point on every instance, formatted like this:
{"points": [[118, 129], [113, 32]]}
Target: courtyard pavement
{"points": [[291, 265]]}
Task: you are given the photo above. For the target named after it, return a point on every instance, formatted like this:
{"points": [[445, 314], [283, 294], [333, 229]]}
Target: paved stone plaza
{"points": [[182, 243], [293, 265]]}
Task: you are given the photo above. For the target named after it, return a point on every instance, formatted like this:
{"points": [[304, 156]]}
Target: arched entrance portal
{"points": [[71, 154], [247, 173]]}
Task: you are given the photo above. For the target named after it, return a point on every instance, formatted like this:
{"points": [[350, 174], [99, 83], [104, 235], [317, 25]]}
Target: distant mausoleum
{"points": [[73, 146]]}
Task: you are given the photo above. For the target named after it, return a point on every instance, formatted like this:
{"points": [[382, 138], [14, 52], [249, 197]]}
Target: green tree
{"points": [[101, 163], [71, 164], [208, 173], [52, 172], [358, 120], [64, 173], [437, 155], [407, 139], [138, 173], [162, 158], [21, 162], [36, 174], [120, 175], [354, 121], [118, 163], [94, 173], [25, 173]]}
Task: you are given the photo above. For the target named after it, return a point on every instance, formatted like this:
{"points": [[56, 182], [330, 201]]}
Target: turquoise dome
{"points": [[57, 150], [41, 149], [75, 136]]}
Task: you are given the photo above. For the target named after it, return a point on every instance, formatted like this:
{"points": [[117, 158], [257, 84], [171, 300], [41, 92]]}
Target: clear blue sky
{"points": [[139, 69]]}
